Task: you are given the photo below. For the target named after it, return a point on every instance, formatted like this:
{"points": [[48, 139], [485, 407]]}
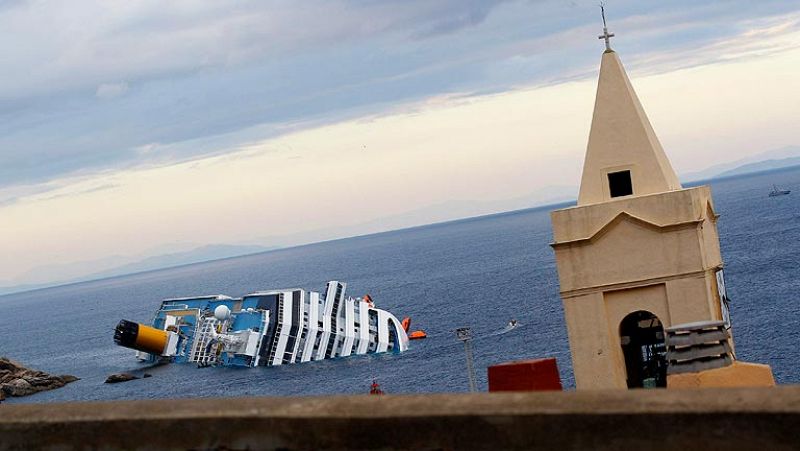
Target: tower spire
{"points": [[606, 35], [622, 143]]}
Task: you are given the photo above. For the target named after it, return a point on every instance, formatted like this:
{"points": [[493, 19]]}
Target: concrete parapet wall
{"points": [[741, 418], [738, 374]]}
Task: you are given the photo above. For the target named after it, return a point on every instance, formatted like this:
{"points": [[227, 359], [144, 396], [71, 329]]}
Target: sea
{"points": [[478, 273]]}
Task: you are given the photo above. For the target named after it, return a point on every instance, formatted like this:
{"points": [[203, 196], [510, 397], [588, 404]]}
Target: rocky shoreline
{"points": [[16, 380]]}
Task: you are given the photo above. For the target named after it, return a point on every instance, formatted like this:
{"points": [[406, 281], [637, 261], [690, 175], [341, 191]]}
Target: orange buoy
{"points": [[417, 335]]}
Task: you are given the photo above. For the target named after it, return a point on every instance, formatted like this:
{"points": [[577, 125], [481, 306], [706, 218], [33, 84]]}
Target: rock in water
{"points": [[16, 380], [19, 387], [120, 377]]}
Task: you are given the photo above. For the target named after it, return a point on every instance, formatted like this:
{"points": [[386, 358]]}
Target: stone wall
{"points": [[761, 418]]}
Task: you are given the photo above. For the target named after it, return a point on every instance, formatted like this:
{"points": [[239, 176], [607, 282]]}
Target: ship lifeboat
{"points": [[417, 334]]}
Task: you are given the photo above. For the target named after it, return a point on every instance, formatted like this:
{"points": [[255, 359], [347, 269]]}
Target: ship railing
{"points": [[201, 353], [278, 329]]}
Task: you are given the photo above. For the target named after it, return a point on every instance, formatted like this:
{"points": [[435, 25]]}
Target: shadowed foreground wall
{"points": [[649, 419]]}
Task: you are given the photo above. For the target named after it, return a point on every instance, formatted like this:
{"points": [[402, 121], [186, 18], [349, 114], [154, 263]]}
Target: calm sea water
{"points": [[479, 272]]}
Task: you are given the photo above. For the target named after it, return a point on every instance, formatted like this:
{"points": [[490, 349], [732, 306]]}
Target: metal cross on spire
{"points": [[606, 35]]}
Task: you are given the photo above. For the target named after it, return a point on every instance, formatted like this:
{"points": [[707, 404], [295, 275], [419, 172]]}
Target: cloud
{"points": [[458, 16], [74, 191], [428, 153], [214, 76], [148, 148], [72, 46], [56, 189], [111, 90], [750, 38]]}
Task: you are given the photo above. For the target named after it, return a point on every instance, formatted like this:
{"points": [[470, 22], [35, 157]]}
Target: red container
{"points": [[525, 375]]}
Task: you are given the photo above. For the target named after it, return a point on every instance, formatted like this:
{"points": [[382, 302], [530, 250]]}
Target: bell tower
{"points": [[638, 254]]}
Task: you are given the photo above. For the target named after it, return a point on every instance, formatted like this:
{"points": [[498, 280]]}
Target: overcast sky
{"points": [[126, 127]]}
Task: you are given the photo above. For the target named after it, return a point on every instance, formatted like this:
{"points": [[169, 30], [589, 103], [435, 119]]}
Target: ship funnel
{"points": [[140, 337]]}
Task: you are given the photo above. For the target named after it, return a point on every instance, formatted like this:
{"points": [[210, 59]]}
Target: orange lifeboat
{"points": [[417, 334], [368, 299]]}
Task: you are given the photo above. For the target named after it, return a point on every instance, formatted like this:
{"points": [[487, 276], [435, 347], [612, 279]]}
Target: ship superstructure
{"points": [[264, 328]]}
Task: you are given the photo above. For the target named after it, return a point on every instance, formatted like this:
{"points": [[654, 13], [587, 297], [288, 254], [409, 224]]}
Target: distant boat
{"points": [[778, 192]]}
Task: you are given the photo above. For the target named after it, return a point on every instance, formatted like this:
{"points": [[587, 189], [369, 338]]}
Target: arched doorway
{"points": [[642, 337]]}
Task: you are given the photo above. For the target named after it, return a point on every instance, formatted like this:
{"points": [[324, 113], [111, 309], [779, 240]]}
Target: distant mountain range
{"points": [[773, 159], [431, 214], [196, 255], [760, 166], [184, 254], [117, 265]]}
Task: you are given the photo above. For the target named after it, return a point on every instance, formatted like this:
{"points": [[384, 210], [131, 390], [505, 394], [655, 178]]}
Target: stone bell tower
{"points": [[639, 253]]}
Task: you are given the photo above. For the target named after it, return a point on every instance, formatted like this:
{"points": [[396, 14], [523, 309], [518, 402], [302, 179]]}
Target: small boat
{"points": [[511, 325], [778, 192]]}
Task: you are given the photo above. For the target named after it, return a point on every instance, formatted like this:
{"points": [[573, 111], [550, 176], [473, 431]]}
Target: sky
{"points": [[132, 128]]}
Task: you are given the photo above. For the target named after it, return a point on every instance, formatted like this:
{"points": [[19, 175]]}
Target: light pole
{"points": [[465, 334]]}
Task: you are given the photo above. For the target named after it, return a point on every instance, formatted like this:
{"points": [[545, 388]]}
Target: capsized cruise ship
{"points": [[264, 328]]}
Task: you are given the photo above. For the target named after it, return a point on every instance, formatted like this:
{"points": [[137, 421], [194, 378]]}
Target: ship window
{"points": [[619, 183], [393, 335]]}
